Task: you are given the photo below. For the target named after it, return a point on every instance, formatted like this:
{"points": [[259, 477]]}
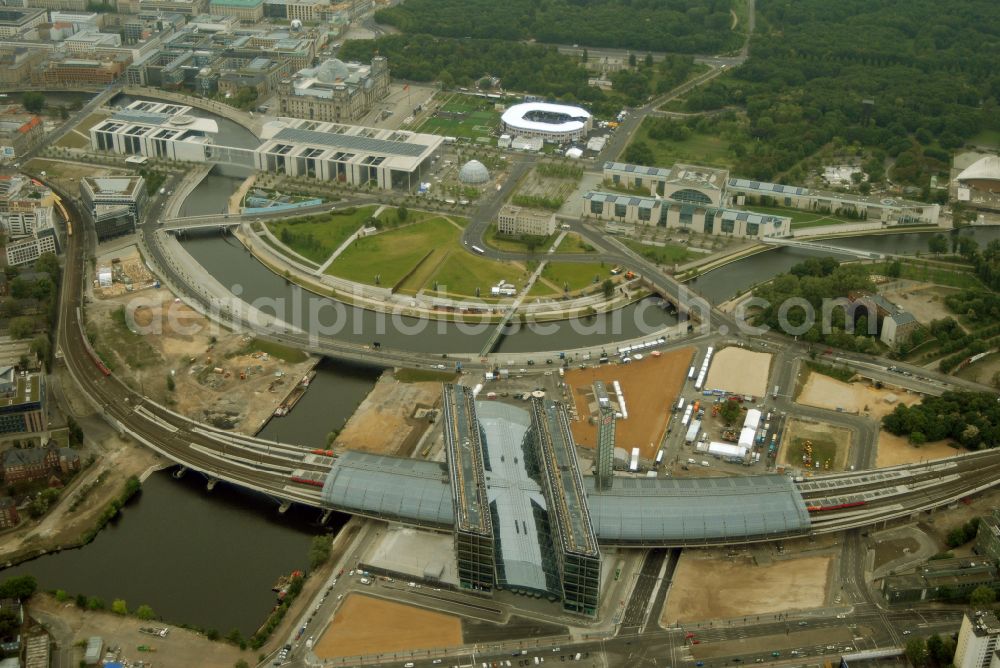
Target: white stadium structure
{"points": [[552, 122]]}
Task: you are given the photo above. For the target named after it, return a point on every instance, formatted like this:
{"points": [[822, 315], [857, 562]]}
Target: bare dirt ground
{"points": [[367, 625], [180, 649], [739, 371], [650, 387], [923, 300], [749, 589], [893, 450], [938, 525], [172, 338], [859, 398], [384, 421], [830, 444]]}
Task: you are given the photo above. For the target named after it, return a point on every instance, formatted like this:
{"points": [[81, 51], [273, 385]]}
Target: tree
{"points": [[916, 652], [22, 327], [967, 247], [19, 587], [118, 607], [937, 244], [631, 60], [730, 412], [75, 431], [585, 56], [242, 664], [648, 60], [236, 638], [608, 288], [402, 213], [639, 153], [982, 596], [145, 612], [319, 551], [941, 650], [33, 102], [95, 603]]}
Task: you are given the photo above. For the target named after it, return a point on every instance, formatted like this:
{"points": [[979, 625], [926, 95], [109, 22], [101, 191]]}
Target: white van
{"points": [[691, 461], [705, 463]]}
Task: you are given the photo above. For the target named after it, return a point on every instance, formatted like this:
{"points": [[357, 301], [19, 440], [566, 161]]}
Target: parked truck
{"points": [[692, 432]]}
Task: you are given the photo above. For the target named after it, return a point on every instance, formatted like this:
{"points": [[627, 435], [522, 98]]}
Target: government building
{"points": [[335, 91]]}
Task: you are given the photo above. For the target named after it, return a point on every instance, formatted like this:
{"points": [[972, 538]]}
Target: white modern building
{"points": [[682, 183], [977, 640], [871, 208], [386, 159], [156, 130], [624, 212], [25, 223], [555, 123]]}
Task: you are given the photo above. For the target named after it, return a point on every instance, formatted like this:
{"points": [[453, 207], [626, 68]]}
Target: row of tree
{"points": [[680, 26]]}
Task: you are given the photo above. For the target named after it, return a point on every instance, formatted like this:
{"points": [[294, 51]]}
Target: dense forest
{"points": [[815, 280], [987, 264], [970, 418], [531, 68], [677, 26], [912, 80]]}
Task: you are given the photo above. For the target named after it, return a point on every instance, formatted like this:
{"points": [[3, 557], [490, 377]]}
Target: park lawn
{"points": [[698, 149], [423, 273], [577, 275], [393, 254], [919, 271], [668, 254], [73, 140], [316, 237], [479, 121], [462, 272], [986, 138], [574, 243]]}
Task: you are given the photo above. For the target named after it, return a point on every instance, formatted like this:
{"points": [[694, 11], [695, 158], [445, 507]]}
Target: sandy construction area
{"points": [[741, 588], [893, 450], [367, 625], [650, 386], [739, 371], [923, 300], [384, 421], [826, 392], [831, 444], [168, 338]]}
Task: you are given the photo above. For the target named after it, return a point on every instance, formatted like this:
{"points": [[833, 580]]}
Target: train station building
{"points": [[526, 519]]}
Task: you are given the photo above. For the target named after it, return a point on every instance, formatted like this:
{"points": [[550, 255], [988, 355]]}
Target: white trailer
{"points": [[693, 431], [634, 463]]}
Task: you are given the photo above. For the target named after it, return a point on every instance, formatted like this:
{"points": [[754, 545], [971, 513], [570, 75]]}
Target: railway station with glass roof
{"points": [[526, 519]]}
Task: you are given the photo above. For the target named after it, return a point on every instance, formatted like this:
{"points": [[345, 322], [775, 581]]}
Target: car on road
{"points": [[907, 632]]}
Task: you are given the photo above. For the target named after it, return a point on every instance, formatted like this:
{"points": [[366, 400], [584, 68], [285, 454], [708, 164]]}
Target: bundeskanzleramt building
{"points": [[682, 183], [116, 203], [335, 91], [517, 221]]}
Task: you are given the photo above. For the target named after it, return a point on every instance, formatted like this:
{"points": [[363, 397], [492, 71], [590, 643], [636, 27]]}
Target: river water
{"points": [[206, 559]]}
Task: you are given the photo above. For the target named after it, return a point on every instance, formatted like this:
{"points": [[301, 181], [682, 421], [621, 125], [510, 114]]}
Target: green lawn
{"points": [[316, 237], [574, 243], [802, 218], [478, 121], [462, 272], [986, 138], [576, 275], [392, 254], [919, 271], [698, 149], [669, 254]]}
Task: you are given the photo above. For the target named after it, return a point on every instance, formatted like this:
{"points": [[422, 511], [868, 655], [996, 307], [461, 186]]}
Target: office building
{"points": [[946, 580], [19, 133], [517, 221], [624, 213], [116, 203], [22, 403], [27, 250], [15, 21], [60, 70], [248, 11], [335, 91], [977, 639]]}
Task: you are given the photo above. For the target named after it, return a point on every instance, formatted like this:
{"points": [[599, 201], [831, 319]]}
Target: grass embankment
{"points": [[316, 237], [841, 373], [423, 376], [916, 270], [283, 353], [568, 277]]}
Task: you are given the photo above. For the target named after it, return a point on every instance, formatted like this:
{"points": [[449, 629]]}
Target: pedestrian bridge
{"points": [[212, 220], [818, 246]]}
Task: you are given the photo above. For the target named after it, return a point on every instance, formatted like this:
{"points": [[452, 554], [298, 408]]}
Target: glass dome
{"points": [[473, 172]]}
